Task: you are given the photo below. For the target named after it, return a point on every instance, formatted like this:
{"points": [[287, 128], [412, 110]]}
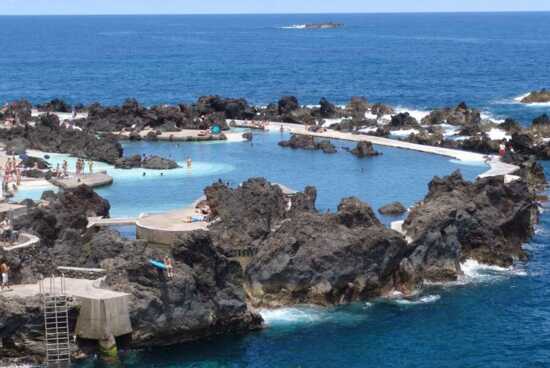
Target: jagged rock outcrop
{"points": [[325, 259], [248, 213], [460, 115], [487, 220], [55, 105], [307, 142], [49, 136], [205, 297], [403, 120], [541, 96]]}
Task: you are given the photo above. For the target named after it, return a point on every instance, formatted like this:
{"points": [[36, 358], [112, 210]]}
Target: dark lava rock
{"points": [[55, 105], [403, 120], [460, 115], [35, 162], [327, 109], [49, 136], [158, 163], [152, 162], [487, 220], [326, 146], [364, 149], [307, 142], [392, 209], [247, 214], [325, 259], [379, 109], [426, 138], [358, 107], [541, 96], [510, 126], [287, 104], [205, 297]]}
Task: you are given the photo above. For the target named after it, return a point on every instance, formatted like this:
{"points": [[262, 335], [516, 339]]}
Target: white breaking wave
{"points": [[295, 26], [423, 300], [498, 134], [488, 116], [479, 272], [291, 315], [417, 114], [404, 132]]}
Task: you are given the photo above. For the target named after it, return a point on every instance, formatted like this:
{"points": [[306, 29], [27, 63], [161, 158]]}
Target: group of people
{"points": [[62, 171], [12, 173], [80, 166]]}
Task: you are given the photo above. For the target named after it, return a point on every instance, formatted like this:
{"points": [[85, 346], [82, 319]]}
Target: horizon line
{"points": [[277, 13]]}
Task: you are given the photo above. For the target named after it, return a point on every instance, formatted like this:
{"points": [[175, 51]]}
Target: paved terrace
{"points": [[78, 288]]}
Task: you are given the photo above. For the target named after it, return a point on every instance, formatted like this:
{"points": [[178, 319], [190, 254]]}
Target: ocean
{"points": [[492, 318]]}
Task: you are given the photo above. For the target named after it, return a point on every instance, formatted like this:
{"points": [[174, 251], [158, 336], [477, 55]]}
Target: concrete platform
{"points": [[100, 221], [102, 312], [95, 180], [164, 228]]}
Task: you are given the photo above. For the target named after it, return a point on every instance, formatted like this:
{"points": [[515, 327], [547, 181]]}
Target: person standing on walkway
{"points": [[91, 166], [4, 270]]}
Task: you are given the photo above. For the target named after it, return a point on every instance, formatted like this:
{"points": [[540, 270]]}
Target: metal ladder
{"points": [[56, 322]]}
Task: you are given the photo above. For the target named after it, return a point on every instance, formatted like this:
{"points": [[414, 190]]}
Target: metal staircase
{"points": [[56, 322]]}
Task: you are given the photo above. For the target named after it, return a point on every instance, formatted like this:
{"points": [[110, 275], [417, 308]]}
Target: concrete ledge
{"points": [[99, 318], [95, 180]]}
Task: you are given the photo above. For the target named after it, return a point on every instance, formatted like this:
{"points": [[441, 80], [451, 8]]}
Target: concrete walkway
{"points": [[28, 241], [100, 221]]}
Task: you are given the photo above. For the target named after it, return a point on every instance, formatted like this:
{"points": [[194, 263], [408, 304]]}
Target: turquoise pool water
{"points": [[398, 174]]}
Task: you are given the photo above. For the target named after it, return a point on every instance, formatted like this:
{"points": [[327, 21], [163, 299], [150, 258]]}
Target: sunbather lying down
{"points": [[196, 218]]}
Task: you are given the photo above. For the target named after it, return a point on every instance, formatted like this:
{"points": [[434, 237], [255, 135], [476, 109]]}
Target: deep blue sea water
{"points": [[494, 318]]}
